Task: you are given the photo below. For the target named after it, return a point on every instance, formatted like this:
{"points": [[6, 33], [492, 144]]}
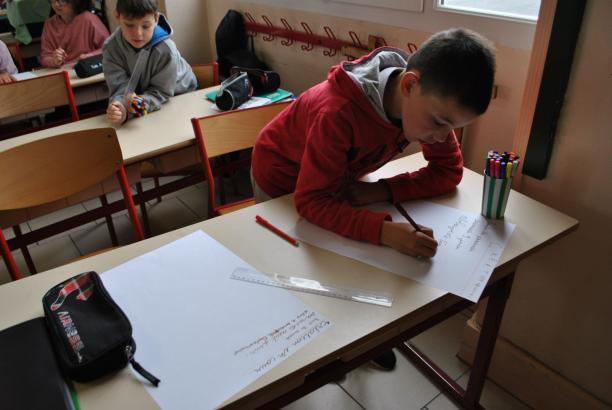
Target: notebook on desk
{"points": [[274, 96], [29, 375]]}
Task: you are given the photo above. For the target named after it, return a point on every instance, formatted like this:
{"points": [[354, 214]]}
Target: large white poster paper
{"points": [[206, 336], [469, 247]]}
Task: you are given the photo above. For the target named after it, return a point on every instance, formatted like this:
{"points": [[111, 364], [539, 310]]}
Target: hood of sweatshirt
{"points": [[161, 32], [364, 80]]}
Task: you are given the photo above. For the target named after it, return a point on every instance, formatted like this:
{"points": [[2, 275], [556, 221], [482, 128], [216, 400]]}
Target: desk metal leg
{"points": [[498, 294], [488, 337]]}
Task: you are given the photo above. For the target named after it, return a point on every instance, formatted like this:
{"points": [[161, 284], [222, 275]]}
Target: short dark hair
{"points": [[136, 8], [457, 63], [80, 6]]}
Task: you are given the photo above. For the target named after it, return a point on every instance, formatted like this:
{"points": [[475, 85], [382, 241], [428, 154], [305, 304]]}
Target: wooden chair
{"points": [[49, 169], [207, 74], [35, 95], [228, 132], [16, 54]]}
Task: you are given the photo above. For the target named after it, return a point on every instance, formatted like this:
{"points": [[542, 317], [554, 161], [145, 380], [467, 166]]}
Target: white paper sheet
{"points": [[26, 75], [206, 336], [469, 247]]}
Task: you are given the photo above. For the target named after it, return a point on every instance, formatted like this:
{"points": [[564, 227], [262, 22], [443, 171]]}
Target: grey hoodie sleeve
{"points": [[116, 77]]}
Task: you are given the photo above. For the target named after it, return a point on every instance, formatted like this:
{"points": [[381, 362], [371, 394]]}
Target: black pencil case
{"points": [[90, 334], [234, 91], [89, 66]]}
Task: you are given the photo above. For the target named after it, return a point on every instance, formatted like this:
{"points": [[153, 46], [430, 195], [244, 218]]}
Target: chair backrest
{"points": [[16, 54], [229, 132], [49, 169], [37, 94], [207, 74]]}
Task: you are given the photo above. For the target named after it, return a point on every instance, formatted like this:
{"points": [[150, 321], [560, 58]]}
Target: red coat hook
{"points": [[355, 39], [411, 47], [251, 20], [308, 46], [268, 37], [331, 52], [286, 42]]}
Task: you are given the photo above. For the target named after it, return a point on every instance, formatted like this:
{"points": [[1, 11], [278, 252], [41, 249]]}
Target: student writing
{"points": [[365, 113], [7, 66], [71, 34], [140, 60]]}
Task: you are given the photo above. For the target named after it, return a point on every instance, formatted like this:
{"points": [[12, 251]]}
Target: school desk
{"points": [[160, 132], [86, 90], [359, 331], [161, 135]]}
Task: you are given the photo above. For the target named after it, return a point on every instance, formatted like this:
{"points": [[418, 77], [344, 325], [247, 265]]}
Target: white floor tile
{"points": [[404, 388], [441, 344], [4, 275], [168, 215], [57, 216], [328, 397], [10, 234], [197, 201], [53, 252], [493, 398], [96, 237]]}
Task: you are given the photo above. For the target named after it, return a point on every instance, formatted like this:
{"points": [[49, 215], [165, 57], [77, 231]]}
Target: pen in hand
{"points": [[402, 211]]}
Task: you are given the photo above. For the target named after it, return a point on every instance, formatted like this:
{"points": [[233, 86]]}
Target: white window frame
{"points": [[473, 12]]}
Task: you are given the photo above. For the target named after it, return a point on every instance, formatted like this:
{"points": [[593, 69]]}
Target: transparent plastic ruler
{"points": [[313, 286]]}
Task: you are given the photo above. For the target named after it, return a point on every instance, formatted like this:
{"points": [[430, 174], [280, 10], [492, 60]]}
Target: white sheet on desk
{"points": [[468, 251], [206, 336], [26, 75]]}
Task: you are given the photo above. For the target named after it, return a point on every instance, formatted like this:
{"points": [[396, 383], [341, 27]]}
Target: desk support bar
{"points": [[469, 399]]}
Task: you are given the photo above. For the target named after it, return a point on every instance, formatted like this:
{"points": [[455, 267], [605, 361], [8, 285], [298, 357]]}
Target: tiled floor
{"points": [[404, 388]]}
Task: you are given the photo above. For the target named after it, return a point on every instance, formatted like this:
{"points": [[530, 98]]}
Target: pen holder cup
{"points": [[495, 194]]}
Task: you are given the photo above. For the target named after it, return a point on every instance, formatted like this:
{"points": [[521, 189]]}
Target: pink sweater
{"points": [[85, 34]]}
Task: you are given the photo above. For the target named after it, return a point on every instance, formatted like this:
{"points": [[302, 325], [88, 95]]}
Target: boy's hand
{"points": [[59, 57], [6, 78], [404, 238], [116, 113], [359, 193]]}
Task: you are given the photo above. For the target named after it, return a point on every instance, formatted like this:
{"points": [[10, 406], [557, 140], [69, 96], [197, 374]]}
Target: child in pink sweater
{"points": [[71, 34]]}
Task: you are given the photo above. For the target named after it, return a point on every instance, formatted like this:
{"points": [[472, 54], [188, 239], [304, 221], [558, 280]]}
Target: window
{"points": [[507, 9]]}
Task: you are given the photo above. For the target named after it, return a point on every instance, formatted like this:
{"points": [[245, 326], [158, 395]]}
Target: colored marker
{"points": [[509, 169], [277, 231]]}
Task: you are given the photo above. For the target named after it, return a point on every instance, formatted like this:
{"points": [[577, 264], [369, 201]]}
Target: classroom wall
{"points": [[300, 69], [560, 309]]}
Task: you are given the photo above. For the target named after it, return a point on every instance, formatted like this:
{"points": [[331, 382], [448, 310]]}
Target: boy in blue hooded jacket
{"points": [[142, 66]]}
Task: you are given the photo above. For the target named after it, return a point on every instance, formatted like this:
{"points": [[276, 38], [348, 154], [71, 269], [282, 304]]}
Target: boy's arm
{"points": [[322, 172], [163, 80], [115, 75], [442, 173]]}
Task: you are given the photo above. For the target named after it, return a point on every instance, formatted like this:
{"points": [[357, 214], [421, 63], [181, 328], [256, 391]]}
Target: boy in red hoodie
{"points": [[366, 113]]}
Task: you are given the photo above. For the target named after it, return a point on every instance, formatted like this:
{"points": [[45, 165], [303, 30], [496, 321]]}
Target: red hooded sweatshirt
{"points": [[338, 131]]}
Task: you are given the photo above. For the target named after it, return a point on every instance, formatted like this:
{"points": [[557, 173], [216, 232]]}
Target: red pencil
{"points": [[277, 231]]}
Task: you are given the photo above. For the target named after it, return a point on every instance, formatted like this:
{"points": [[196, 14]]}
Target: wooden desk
{"points": [[75, 81], [359, 331], [160, 132]]}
